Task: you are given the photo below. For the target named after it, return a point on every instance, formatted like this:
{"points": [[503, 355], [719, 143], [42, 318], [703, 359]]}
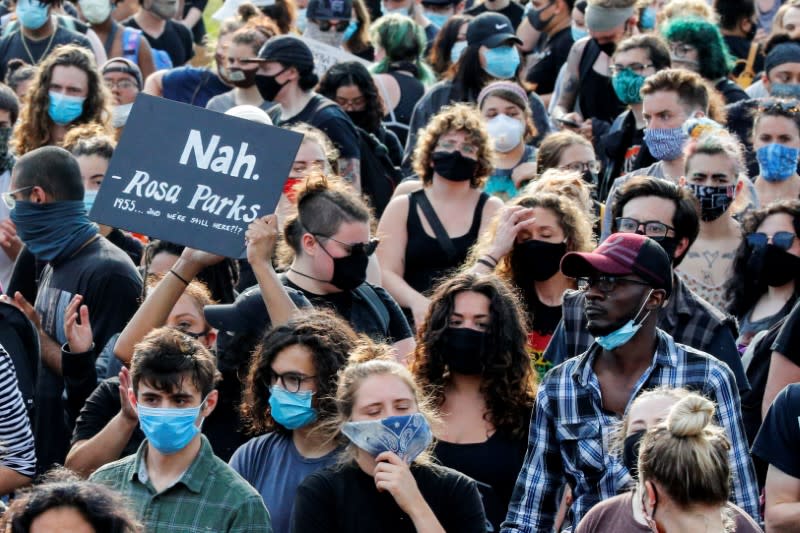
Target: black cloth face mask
{"points": [[463, 350], [453, 166]]}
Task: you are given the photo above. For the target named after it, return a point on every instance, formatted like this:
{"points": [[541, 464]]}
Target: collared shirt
{"points": [[570, 431], [687, 317], [209, 496]]}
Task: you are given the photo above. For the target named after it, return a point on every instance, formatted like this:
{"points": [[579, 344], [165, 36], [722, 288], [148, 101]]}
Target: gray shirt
{"points": [[222, 102]]}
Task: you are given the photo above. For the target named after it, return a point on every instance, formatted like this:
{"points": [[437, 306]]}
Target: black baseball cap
{"points": [[491, 30], [329, 9], [289, 51], [247, 312]]}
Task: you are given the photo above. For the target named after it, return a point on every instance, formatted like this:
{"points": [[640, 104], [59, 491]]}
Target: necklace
{"points": [[28, 51]]}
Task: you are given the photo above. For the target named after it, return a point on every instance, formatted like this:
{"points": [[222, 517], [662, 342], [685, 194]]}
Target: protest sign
{"points": [[325, 56], [192, 176]]}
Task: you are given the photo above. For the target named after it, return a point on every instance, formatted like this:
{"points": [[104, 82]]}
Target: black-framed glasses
{"points": [[651, 228], [605, 283], [325, 25], [772, 105], [367, 248], [290, 381], [637, 68], [123, 85], [781, 239], [9, 198]]}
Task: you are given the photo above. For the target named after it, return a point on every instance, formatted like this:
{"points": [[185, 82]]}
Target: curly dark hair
{"points": [[355, 73], [509, 384], [329, 339], [744, 288]]}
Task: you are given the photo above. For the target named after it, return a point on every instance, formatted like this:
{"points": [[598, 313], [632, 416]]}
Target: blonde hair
{"points": [[621, 431], [456, 117], [569, 183], [687, 8], [688, 455], [197, 291]]}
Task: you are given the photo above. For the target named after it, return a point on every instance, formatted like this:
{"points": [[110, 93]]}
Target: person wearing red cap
{"points": [[627, 279]]}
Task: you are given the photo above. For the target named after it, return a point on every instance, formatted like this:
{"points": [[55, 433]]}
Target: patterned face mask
{"points": [[406, 435], [714, 200], [777, 162]]}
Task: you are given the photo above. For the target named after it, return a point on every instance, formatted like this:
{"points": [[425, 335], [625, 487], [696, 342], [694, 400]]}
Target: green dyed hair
{"points": [[403, 40], [713, 54]]}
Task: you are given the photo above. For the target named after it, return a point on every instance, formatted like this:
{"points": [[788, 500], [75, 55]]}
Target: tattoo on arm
{"points": [[350, 169]]}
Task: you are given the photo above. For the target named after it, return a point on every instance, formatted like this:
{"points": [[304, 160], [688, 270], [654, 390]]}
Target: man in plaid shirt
{"points": [[627, 279]]}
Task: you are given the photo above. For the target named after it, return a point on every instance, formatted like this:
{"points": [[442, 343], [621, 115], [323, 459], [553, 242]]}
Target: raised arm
{"points": [[569, 89], [261, 238]]}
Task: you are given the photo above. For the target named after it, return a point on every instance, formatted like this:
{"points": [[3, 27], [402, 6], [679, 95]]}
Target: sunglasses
{"points": [[781, 239], [325, 25], [367, 248], [786, 106]]}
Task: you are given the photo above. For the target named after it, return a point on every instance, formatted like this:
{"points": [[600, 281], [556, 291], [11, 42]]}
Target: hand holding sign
{"points": [[261, 237], [211, 175]]}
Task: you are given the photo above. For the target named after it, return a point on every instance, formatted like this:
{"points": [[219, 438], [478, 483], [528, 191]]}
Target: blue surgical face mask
{"points": [[784, 90], [501, 62], [88, 199], [624, 334], [457, 50], [406, 435], [777, 162], [169, 430], [32, 14], [666, 144], [437, 19], [647, 20], [292, 410], [351, 30], [301, 20], [578, 33], [64, 109]]}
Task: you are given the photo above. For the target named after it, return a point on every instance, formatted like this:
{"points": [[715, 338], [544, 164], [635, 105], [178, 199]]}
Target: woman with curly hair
{"points": [[350, 85], [697, 45], [400, 72], [288, 395], [471, 360], [66, 91], [429, 232], [524, 246], [766, 269]]}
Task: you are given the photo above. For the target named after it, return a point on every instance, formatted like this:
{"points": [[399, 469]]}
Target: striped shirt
{"points": [[17, 450], [570, 433]]}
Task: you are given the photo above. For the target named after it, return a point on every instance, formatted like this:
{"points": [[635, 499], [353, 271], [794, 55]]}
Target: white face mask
{"points": [[119, 114], [506, 132], [95, 11]]}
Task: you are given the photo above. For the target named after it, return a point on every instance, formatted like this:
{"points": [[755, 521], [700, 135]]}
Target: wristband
{"points": [[179, 277], [484, 262]]}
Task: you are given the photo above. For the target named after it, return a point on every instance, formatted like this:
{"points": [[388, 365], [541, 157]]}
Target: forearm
{"points": [[11, 480], [280, 307], [192, 17], [424, 520], [783, 518], [87, 456], [51, 352], [402, 292]]}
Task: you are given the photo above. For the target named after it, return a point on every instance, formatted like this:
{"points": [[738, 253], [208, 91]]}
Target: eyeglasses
{"points": [[781, 239], [325, 25], [367, 248], [637, 68], [291, 381], [10, 200], [604, 283], [583, 166], [652, 228], [785, 106], [123, 85], [451, 146], [681, 49], [351, 103]]}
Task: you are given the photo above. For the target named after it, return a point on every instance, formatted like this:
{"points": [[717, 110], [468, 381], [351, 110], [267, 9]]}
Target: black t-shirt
{"points": [[513, 11], [330, 118], [175, 40], [12, 47], [101, 406], [777, 440], [127, 244], [360, 314], [111, 287], [788, 341], [344, 499], [549, 60], [494, 465]]}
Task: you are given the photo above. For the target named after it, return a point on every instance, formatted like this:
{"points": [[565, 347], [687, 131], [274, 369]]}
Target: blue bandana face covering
{"points": [[777, 162], [53, 230], [407, 435], [64, 109], [169, 430], [292, 410], [623, 335], [784, 90], [501, 62], [666, 144]]}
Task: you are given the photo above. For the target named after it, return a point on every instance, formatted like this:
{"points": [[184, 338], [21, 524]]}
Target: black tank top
{"points": [[398, 119], [425, 261], [597, 98]]}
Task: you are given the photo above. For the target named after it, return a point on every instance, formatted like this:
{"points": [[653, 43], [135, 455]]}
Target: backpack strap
{"points": [[131, 39], [746, 77], [368, 294], [436, 225]]}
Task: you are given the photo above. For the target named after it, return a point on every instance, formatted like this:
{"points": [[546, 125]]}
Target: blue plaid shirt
{"points": [[570, 433]]}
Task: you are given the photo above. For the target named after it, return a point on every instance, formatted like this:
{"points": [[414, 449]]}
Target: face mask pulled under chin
{"points": [[626, 332]]}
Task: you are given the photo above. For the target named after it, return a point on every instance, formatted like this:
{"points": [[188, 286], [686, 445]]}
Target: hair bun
{"points": [[368, 350], [690, 416]]}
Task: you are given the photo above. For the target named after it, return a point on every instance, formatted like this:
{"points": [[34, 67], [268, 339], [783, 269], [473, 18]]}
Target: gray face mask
{"points": [[332, 38]]}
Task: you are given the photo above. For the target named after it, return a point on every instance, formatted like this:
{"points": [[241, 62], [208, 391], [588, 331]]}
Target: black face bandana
{"points": [[268, 87], [454, 166], [463, 350], [535, 260], [630, 452]]}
